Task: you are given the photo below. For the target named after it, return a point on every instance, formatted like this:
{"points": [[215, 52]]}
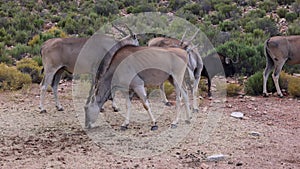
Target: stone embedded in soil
{"points": [[254, 133], [216, 157], [238, 115]]}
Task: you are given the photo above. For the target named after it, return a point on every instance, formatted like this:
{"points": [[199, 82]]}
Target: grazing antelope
{"points": [[278, 51], [132, 68], [61, 54]]}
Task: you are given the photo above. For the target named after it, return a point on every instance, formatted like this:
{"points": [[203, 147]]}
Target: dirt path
{"points": [[269, 136]]}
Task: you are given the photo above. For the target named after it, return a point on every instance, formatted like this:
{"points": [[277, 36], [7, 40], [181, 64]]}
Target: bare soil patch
{"points": [[57, 140]]}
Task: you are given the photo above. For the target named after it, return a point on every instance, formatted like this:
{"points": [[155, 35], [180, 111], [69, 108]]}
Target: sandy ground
{"points": [[267, 137]]}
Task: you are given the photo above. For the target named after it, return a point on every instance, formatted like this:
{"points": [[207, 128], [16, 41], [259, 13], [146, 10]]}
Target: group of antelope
{"points": [[177, 61]]}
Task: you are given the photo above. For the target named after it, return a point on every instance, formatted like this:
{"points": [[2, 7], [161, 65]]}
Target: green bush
{"points": [[294, 87], [281, 12], [268, 5], [19, 51], [227, 26], [294, 28], [12, 79], [176, 4], [254, 84], [290, 16], [30, 67]]}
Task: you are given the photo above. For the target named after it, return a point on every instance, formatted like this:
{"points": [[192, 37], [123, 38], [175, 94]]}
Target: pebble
{"points": [[238, 115], [254, 133], [217, 157], [204, 166]]}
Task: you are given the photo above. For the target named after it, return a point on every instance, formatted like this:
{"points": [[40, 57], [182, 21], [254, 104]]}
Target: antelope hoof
{"points": [[265, 95], [43, 111], [168, 104], [102, 109], [116, 109], [173, 126], [123, 128], [280, 96], [187, 121], [195, 110], [60, 109], [153, 128]]}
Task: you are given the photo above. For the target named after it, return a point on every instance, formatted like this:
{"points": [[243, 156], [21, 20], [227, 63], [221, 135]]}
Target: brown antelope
{"points": [[61, 54], [209, 63], [278, 51], [195, 63], [132, 68]]}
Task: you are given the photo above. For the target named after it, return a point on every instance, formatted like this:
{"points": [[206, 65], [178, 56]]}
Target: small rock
{"points": [[254, 133], [239, 164], [204, 166], [229, 105], [217, 101], [252, 99], [238, 115], [217, 157], [230, 162]]}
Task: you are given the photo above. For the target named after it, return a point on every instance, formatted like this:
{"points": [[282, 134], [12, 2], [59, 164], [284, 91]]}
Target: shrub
{"points": [[281, 12], [294, 28], [12, 79], [19, 51], [38, 60], [30, 67], [176, 4], [227, 26], [254, 84], [268, 5], [294, 87], [291, 16], [285, 2], [169, 89], [233, 89]]}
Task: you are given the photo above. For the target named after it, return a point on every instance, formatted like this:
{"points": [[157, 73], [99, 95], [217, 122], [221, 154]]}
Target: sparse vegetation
{"points": [[233, 28]]}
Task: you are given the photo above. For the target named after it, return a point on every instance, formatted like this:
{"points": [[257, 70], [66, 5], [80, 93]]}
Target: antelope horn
{"points": [[124, 33], [195, 46], [183, 36], [193, 36]]}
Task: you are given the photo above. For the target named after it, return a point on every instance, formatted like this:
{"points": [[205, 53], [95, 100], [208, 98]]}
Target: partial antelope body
{"points": [[61, 54], [210, 63], [278, 51], [195, 63], [131, 69]]}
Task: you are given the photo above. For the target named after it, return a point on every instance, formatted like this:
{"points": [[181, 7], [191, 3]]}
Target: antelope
{"points": [[209, 63], [132, 68], [278, 51], [61, 54], [195, 63]]}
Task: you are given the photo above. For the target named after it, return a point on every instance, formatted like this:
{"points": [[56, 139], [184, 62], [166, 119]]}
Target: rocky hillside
{"points": [[236, 28]]}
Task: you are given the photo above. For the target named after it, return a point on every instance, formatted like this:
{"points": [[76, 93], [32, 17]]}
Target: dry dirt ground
{"points": [[268, 136]]}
